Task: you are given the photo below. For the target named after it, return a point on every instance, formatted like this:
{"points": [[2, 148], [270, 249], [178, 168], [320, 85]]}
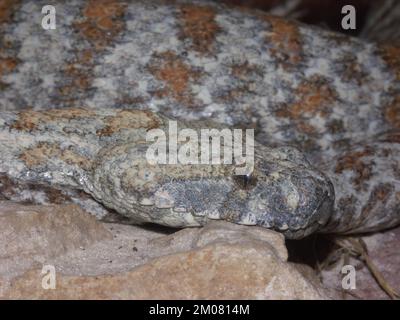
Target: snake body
{"points": [[325, 109]]}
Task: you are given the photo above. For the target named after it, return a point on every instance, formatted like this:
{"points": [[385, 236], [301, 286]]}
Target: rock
{"points": [[32, 234], [219, 261], [384, 253], [222, 232]]}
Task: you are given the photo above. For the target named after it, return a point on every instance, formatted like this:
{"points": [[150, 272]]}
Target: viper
{"points": [[76, 104]]}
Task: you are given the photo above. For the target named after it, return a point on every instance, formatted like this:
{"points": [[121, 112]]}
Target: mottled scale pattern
{"points": [[103, 153], [333, 97]]}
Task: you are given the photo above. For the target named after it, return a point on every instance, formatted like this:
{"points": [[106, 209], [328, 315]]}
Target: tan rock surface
{"points": [[31, 233], [217, 271], [109, 261]]}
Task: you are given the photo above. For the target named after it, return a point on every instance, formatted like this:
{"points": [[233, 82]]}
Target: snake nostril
{"points": [[245, 181]]}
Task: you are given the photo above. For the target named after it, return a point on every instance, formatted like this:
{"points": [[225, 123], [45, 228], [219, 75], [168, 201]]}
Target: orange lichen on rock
{"points": [[176, 75], [285, 39], [129, 119], [29, 119], [43, 151], [198, 24]]}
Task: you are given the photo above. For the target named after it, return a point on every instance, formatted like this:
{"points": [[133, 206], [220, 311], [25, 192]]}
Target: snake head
{"points": [[283, 192]]}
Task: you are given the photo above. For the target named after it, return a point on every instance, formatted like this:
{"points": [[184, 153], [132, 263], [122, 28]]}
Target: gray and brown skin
{"points": [[103, 152], [337, 99]]}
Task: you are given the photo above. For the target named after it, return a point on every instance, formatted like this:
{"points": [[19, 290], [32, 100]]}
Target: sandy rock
{"points": [[220, 261], [220, 232], [32, 234]]}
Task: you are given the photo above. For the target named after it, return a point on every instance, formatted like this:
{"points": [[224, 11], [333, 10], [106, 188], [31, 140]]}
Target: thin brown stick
{"points": [[358, 249], [390, 291]]}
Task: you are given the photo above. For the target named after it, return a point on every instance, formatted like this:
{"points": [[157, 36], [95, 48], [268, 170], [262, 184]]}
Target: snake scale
{"points": [[76, 104]]}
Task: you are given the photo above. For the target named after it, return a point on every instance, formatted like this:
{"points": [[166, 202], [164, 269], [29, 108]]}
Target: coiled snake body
{"points": [[76, 103]]}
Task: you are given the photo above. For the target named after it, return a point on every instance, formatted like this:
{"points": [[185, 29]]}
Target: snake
{"points": [[77, 104]]}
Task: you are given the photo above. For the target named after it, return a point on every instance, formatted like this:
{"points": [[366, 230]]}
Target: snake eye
{"points": [[248, 181]]}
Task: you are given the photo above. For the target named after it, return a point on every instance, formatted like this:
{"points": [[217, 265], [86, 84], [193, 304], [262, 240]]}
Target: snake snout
{"points": [[294, 199], [298, 205]]}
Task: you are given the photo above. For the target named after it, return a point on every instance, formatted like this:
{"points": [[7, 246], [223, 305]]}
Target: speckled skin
{"points": [[334, 98], [103, 152]]}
